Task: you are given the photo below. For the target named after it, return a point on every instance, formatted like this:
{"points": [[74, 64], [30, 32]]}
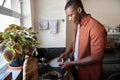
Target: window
{"points": [[3, 62], [5, 3], [1, 2], [8, 16], [6, 20]]}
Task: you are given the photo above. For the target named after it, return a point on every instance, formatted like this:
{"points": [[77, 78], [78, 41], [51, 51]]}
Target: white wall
{"points": [[69, 33], [106, 11], [27, 13], [48, 10]]}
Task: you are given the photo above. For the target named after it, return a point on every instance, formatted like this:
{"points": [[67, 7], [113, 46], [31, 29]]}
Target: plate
{"points": [[54, 62]]}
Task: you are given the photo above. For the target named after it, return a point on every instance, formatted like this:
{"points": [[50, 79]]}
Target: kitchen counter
{"points": [[112, 56], [111, 64]]}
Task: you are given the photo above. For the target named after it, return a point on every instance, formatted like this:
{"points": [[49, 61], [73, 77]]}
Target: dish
{"points": [[54, 62]]}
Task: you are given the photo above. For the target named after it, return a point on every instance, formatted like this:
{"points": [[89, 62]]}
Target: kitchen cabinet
{"points": [[111, 64]]}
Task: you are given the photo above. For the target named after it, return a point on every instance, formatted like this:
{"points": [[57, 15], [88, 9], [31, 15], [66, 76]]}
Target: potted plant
{"points": [[16, 42]]}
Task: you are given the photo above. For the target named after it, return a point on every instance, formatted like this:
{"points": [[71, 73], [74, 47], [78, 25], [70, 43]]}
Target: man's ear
{"points": [[79, 10]]}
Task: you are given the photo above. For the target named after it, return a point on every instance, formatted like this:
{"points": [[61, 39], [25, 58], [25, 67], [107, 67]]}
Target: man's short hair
{"points": [[74, 3]]}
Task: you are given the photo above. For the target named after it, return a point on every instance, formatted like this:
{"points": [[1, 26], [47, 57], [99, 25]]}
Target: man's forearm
{"points": [[85, 61]]}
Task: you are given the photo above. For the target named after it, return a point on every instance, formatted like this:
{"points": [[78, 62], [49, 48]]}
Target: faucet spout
{"points": [[42, 62]]}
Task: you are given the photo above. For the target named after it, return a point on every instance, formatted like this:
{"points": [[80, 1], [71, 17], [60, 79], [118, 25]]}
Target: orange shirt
{"points": [[92, 39]]}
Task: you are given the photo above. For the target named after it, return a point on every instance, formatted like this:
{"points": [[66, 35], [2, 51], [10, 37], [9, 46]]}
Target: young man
{"points": [[88, 45]]}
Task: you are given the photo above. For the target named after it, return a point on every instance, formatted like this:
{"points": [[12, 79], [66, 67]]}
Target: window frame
{"points": [[9, 12], [2, 66]]}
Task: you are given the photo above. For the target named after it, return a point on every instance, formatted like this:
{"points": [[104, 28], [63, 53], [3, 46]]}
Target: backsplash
{"points": [[49, 53]]}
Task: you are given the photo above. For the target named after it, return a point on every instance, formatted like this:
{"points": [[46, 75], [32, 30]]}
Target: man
{"points": [[88, 45]]}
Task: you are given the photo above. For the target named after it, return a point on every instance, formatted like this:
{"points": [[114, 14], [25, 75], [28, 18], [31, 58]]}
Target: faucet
{"points": [[42, 64]]}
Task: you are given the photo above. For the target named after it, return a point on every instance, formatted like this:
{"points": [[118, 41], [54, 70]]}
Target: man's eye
{"points": [[71, 15]]}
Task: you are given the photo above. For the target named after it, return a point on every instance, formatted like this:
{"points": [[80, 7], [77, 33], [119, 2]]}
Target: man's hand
{"points": [[66, 65], [63, 55]]}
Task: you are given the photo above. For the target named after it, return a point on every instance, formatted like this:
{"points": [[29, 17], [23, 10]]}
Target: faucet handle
{"points": [[43, 61]]}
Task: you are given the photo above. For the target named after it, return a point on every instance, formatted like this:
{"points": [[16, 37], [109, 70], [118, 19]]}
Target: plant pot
{"points": [[16, 64]]}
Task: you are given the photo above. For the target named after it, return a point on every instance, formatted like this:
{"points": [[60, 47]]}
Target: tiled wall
{"points": [[49, 53]]}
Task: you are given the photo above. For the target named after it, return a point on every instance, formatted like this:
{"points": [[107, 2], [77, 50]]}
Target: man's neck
{"points": [[83, 16]]}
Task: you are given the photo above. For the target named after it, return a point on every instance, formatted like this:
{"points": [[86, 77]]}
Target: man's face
{"points": [[73, 15]]}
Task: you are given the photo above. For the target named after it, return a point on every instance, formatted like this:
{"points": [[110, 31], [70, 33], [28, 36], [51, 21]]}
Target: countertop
{"points": [[112, 56], [111, 64]]}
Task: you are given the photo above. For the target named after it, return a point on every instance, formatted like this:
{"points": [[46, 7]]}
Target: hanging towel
{"points": [[43, 24], [53, 26]]}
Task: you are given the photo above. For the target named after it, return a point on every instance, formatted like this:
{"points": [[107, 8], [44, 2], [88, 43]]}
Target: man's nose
{"points": [[70, 18]]}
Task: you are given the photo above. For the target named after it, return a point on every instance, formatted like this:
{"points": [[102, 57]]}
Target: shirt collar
{"points": [[85, 20]]}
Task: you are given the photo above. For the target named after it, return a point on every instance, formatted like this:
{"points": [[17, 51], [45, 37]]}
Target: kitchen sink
{"points": [[47, 72]]}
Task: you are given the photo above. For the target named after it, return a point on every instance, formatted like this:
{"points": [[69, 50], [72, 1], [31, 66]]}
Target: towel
{"points": [[43, 24], [53, 26]]}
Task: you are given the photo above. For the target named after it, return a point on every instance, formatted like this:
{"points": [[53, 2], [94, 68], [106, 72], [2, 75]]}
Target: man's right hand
{"points": [[63, 55]]}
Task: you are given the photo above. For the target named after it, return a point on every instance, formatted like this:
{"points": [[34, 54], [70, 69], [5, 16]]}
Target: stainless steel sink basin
{"points": [[51, 73]]}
